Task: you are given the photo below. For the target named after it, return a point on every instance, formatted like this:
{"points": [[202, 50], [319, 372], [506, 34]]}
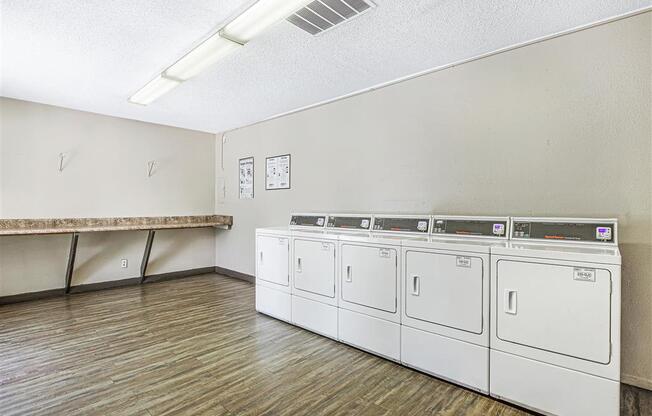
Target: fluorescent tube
{"points": [[153, 90], [259, 17], [200, 58]]}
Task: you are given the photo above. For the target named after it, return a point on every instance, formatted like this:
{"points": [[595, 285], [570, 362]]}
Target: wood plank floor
{"points": [[196, 346]]}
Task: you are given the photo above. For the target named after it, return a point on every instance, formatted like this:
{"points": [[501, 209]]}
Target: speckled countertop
{"points": [[87, 225]]}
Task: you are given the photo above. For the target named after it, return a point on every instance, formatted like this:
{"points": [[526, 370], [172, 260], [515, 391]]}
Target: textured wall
{"points": [[105, 174], [559, 128]]}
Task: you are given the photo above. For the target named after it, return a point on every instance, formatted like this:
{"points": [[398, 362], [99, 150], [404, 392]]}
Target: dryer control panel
{"points": [[403, 224], [571, 230], [471, 227], [308, 220], [353, 222]]}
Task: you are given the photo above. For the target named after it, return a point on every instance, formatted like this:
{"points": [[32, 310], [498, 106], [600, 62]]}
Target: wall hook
{"points": [[150, 168], [62, 156]]}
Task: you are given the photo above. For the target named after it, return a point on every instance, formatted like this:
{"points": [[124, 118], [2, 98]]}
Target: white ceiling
{"points": [[93, 54]]}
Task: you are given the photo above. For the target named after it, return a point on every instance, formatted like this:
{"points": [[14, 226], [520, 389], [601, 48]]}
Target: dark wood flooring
{"points": [[196, 346]]}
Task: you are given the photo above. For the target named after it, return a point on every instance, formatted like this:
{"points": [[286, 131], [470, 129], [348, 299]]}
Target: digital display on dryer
{"points": [[351, 223], [565, 231], [308, 220], [412, 225], [470, 227]]}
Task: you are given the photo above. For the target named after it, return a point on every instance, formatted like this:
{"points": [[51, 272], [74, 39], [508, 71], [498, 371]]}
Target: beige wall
{"points": [[559, 128], [105, 175]]}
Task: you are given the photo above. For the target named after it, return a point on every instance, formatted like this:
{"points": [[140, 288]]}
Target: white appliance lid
{"points": [[556, 251]]}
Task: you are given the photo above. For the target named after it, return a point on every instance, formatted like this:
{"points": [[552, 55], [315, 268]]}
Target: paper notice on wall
{"points": [[247, 178], [277, 172]]}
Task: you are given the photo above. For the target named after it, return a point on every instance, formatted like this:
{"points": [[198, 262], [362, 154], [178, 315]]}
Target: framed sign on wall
{"points": [[277, 172], [246, 168]]}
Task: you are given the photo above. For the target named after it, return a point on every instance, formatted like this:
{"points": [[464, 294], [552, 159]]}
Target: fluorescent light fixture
{"points": [[259, 17], [206, 54], [241, 30], [153, 90]]}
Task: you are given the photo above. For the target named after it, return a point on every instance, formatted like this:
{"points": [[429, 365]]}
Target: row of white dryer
{"points": [[523, 309]]}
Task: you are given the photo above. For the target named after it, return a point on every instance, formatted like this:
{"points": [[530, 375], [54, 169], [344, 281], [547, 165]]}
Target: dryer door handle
{"points": [[349, 277], [510, 302], [416, 285]]}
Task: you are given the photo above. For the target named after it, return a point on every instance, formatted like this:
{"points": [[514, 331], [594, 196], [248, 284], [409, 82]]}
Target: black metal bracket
{"points": [[71, 260], [148, 251]]}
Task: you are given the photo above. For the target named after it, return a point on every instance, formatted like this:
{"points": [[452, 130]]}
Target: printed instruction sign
{"points": [[247, 178], [277, 172]]}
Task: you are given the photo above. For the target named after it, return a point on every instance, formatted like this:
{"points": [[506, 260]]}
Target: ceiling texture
{"points": [[91, 55]]}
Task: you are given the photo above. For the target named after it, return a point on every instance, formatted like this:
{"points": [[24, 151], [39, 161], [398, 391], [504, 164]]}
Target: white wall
{"points": [[105, 175], [559, 128]]}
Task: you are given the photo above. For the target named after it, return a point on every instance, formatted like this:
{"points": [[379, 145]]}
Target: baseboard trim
{"points": [[236, 275], [26, 297], [640, 382], [112, 284], [162, 277], [154, 278]]}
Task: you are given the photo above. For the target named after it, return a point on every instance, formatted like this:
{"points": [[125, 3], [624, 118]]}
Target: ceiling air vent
{"points": [[322, 15]]}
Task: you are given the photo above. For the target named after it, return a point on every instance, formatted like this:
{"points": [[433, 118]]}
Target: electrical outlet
{"points": [[124, 263]]}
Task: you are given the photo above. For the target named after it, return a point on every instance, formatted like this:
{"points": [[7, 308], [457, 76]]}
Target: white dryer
{"points": [[555, 334], [316, 287], [445, 308], [369, 307], [273, 288], [314, 278]]}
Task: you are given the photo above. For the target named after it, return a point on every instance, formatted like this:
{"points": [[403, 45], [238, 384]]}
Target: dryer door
{"points": [[556, 308], [272, 259], [368, 276], [444, 289], [314, 267]]}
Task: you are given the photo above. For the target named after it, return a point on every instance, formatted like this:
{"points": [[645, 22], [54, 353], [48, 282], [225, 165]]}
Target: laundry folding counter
{"points": [[76, 226]]}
